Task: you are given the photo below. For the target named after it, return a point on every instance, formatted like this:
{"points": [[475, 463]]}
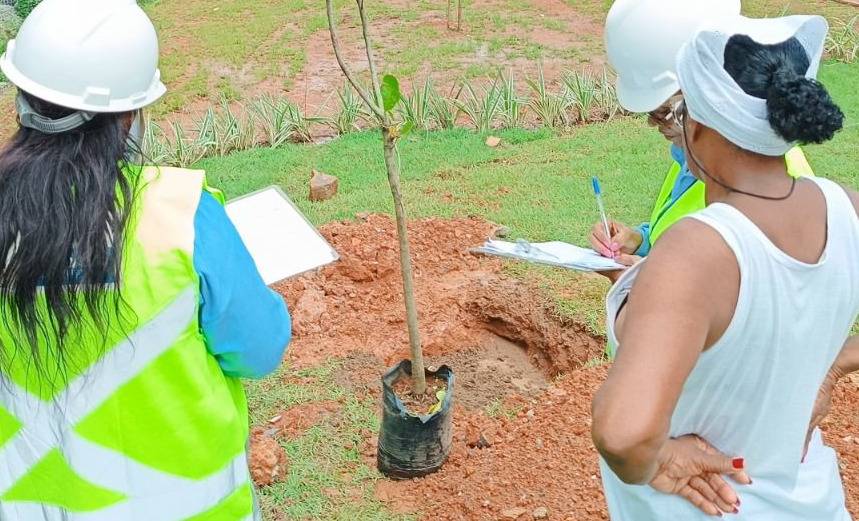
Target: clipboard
{"points": [[281, 240]]}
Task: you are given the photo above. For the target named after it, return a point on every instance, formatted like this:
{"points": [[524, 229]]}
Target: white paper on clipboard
{"points": [[280, 239]]}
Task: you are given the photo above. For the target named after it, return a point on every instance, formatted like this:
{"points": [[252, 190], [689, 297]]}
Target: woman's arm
{"points": [[246, 325], [681, 302]]}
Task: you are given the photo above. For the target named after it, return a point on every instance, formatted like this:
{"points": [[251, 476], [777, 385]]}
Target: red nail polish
{"points": [[738, 463], [739, 502], [736, 510]]}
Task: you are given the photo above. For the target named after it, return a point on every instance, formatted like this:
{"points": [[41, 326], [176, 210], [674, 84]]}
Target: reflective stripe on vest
{"points": [[693, 199], [151, 494], [149, 430]]}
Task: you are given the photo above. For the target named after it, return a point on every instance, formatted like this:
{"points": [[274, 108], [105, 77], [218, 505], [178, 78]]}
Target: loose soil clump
{"points": [[267, 459]]}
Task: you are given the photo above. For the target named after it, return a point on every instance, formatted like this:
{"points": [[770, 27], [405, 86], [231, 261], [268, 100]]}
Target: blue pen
{"points": [[598, 193]]}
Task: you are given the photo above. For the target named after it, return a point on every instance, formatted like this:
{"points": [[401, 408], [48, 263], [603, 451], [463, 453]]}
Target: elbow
{"points": [[629, 449], [270, 359], [274, 355]]}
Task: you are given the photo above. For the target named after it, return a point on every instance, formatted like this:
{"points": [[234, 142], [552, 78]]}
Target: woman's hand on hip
{"points": [[694, 470]]}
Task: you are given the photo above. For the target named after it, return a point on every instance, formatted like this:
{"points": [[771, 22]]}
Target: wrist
{"points": [[635, 240]]}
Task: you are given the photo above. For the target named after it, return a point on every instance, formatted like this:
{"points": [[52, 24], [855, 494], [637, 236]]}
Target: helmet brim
{"points": [[636, 99]]}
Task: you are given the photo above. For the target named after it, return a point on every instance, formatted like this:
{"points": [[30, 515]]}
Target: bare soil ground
{"points": [[522, 447]]}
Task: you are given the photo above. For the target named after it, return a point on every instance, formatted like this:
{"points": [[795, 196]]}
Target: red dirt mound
{"points": [[356, 304]]}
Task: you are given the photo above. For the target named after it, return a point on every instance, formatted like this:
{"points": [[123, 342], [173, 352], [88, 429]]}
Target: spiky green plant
{"points": [[416, 109], [226, 130], [842, 44], [581, 91], [607, 103], [184, 151], [247, 138], [274, 119], [350, 113], [482, 108], [512, 105], [301, 123], [156, 149], [205, 131], [443, 109], [549, 108]]}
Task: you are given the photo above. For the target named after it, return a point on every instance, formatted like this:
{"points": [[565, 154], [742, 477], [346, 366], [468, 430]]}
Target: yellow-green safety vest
{"points": [[665, 214], [145, 426]]}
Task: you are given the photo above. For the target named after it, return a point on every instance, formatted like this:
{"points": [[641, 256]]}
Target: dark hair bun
{"points": [[800, 109]]}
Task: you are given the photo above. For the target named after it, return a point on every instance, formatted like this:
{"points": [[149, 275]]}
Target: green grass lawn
{"points": [[537, 183]]}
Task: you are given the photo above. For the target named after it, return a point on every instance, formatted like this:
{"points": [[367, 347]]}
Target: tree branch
{"points": [[369, 48], [378, 111]]}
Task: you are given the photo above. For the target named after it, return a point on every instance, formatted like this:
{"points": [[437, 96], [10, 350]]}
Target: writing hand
{"points": [[623, 240]]}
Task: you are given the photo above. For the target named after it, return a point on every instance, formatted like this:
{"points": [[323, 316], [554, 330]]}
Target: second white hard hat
{"points": [[642, 38], [87, 55]]}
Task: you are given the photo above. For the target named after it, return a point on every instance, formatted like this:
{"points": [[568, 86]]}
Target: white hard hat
{"points": [[642, 38], [87, 55]]}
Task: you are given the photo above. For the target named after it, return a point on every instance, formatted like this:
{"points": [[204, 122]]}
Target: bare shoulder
{"points": [[691, 249]]}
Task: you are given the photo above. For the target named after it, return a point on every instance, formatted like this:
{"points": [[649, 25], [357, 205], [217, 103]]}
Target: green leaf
{"points": [[440, 397], [390, 92], [407, 127]]}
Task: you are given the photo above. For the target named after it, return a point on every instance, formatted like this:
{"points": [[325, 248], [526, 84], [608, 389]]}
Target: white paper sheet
{"points": [[553, 253], [280, 239]]}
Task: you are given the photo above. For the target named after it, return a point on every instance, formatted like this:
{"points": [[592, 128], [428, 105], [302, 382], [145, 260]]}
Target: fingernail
{"points": [[738, 463], [739, 502], [736, 510]]}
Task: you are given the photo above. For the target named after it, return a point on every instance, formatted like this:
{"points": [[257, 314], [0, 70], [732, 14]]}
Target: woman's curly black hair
{"points": [[800, 109]]}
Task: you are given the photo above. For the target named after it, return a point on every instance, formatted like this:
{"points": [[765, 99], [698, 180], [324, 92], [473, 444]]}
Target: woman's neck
{"points": [[752, 173]]}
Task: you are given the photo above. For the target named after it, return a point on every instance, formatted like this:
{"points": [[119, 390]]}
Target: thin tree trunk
{"points": [[419, 383], [449, 2], [458, 15]]}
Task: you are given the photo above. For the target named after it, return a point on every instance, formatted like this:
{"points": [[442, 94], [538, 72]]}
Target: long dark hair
{"points": [[64, 206], [799, 108]]}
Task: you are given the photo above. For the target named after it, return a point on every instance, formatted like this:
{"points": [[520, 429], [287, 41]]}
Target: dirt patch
{"points": [[493, 372], [267, 459], [542, 458], [356, 305], [360, 373], [294, 421]]}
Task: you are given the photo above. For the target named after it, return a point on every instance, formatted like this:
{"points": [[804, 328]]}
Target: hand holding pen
{"points": [[610, 238]]}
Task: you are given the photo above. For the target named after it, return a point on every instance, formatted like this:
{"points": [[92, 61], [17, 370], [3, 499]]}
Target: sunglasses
{"points": [[679, 112]]}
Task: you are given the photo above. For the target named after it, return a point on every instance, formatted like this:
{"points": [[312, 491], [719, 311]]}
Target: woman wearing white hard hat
{"points": [[130, 306], [642, 39], [732, 333]]}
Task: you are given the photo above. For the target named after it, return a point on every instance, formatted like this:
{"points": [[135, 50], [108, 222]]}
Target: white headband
{"points": [[714, 98]]}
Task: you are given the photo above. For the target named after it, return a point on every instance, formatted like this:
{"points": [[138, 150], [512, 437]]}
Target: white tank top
{"points": [[752, 393]]}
